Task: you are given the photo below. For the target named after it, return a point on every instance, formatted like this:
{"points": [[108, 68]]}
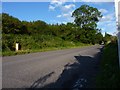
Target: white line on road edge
{"points": [[117, 6]]}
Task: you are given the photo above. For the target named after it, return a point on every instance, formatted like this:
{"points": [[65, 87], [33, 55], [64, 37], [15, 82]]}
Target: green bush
{"points": [[109, 76]]}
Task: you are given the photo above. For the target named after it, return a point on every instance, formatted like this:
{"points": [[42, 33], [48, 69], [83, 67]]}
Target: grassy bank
{"points": [[35, 43], [109, 76], [10, 53]]}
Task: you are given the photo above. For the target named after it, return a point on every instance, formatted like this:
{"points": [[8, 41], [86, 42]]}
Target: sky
{"points": [[119, 16], [57, 11]]}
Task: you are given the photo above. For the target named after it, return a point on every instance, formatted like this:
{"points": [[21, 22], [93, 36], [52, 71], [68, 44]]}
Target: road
{"points": [[50, 69]]}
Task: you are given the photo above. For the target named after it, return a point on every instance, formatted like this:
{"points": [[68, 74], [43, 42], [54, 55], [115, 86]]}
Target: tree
{"points": [[107, 38], [99, 38], [0, 23], [12, 25], [86, 17]]}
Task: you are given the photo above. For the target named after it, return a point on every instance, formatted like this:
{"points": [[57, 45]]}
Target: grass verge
{"points": [[109, 76], [10, 53]]}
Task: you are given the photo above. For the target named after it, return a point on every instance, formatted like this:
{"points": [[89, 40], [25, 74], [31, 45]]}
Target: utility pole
{"points": [[117, 10]]}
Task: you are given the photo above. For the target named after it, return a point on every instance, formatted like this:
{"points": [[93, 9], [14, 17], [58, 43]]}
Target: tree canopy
{"points": [[86, 17]]}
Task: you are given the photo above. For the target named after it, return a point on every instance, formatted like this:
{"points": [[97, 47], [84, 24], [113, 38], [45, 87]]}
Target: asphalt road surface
{"points": [[60, 68]]}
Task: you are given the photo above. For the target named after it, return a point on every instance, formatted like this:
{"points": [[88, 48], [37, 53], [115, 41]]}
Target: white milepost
{"points": [[17, 46]]}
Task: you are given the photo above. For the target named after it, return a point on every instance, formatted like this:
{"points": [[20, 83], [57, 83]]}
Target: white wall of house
{"points": [[118, 20], [117, 10], [119, 46]]}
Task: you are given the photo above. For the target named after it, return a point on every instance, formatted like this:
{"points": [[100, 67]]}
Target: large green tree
{"points": [[86, 17]]}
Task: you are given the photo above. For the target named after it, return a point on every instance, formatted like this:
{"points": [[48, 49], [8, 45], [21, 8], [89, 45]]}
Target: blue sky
{"points": [[60, 12]]}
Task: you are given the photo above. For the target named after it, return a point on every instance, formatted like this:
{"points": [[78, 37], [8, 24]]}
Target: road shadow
{"points": [[84, 68], [40, 81]]}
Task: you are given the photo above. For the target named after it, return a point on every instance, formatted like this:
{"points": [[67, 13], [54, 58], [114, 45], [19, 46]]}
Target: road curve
{"points": [[48, 69]]}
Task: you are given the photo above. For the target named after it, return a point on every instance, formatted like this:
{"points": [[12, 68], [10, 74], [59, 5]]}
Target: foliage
{"points": [[99, 38], [38, 34], [109, 38], [86, 17], [109, 77]]}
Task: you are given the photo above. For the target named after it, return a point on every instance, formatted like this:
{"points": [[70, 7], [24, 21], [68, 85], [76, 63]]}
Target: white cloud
{"points": [[64, 22], [57, 2], [63, 15], [67, 16], [108, 17], [97, 0], [59, 16], [74, 0], [69, 6], [107, 26], [51, 7], [66, 9], [60, 4], [103, 10]]}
